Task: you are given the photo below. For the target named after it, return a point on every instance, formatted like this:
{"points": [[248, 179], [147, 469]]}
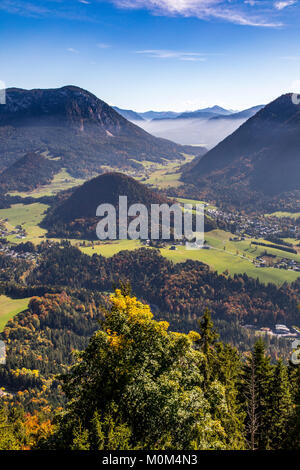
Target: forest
{"points": [[113, 377]]}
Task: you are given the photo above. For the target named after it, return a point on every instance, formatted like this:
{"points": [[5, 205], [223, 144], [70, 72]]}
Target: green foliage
{"points": [[145, 385]]}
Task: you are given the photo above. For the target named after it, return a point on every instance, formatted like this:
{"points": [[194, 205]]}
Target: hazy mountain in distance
{"points": [[245, 114], [263, 155], [150, 115], [204, 128], [205, 113], [81, 131], [129, 114]]}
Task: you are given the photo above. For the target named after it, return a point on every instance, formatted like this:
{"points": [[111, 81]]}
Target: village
{"points": [[279, 331], [259, 226]]}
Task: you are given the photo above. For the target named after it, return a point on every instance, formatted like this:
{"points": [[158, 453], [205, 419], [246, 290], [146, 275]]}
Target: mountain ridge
{"points": [[261, 155], [78, 128]]}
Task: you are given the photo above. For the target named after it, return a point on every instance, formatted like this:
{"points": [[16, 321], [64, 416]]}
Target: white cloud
{"points": [[284, 3], [72, 50], [102, 45], [234, 11], [166, 54]]}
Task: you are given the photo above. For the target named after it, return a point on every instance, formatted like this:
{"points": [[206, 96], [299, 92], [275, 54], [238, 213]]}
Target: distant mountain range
{"points": [[82, 132], [207, 126], [246, 114], [161, 115], [206, 113], [262, 156]]}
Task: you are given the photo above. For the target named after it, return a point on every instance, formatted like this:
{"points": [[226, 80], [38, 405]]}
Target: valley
{"points": [[135, 327], [229, 252]]}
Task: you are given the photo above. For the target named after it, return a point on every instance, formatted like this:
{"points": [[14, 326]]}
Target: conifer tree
{"points": [[281, 407]]}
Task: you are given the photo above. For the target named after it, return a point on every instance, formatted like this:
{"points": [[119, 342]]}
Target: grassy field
{"points": [[236, 259], [194, 202], [9, 308], [224, 255], [109, 249], [164, 176], [221, 261], [292, 215], [60, 182], [28, 216]]}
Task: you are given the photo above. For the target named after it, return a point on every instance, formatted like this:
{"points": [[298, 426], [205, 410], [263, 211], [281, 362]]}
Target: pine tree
{"points": [[206, 343], [293, 437], [257, 390], [281, 407], [222, 364]]}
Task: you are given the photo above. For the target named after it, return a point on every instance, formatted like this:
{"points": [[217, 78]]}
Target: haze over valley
{"points": [[205, 127]]}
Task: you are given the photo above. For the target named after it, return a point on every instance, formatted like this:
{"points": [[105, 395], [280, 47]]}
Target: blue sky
{"points": [[155, 54]]}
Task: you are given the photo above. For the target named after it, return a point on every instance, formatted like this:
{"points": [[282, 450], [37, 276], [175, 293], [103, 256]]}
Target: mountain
{"points": [[205, 113], [261, 157], [204, 128], [77, 128], [76, 215], [150, 115], [129, 114], [245, 114], [27, 173]]}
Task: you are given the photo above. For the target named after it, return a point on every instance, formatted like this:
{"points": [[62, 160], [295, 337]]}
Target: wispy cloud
{"points": [[234, 11], [166, 54], [103, 45], [46, 8], [284, 3], [72, 50]]}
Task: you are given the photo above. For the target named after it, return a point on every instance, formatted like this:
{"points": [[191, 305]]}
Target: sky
{"points": [[155, 54]]}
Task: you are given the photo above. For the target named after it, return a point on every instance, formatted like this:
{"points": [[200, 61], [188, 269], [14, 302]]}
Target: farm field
{"points": [[109, 249], [10, 307], [292, 215], [224, 261], [217, 258], [194, 202], [28, 216], [61, 181], [237, 257], [164, 176]]}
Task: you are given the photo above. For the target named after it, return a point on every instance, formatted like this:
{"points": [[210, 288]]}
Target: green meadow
{"points": [[28, 216], [292, 215], [9, 308], [224, 255], [61, 181]]}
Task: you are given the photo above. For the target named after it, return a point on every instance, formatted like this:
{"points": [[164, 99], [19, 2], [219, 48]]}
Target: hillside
{"points": [[80, 130], [76, 215], [27, 173], [261, 159], [129, 114]]}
